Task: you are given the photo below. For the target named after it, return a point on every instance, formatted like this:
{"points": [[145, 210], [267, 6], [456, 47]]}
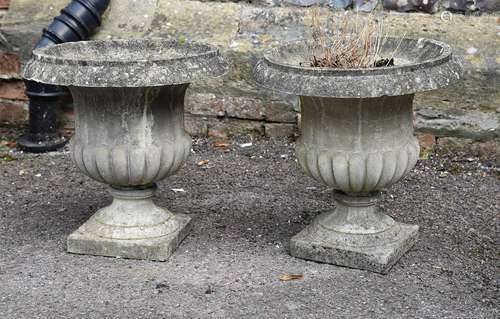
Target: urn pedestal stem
{"points": [[132, 227], [357, 214], [356, 234]]}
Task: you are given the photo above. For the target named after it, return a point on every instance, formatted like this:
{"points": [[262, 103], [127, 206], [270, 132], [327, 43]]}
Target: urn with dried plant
{"points": [[356, 88]]}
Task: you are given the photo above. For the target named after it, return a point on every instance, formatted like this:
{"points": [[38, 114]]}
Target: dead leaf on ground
{"points": [[10, 144], [290, 277], [221, 144], [204, 162]]}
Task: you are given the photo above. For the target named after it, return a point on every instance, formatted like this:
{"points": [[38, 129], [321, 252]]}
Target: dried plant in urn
{"points": [[349, 43]]}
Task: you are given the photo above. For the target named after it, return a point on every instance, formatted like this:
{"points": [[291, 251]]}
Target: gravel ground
{"points": [[246, 204]]}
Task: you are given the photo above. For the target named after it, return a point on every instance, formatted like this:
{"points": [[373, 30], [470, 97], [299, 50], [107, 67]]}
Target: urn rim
{"points": [[124, 63], [278, 71]]}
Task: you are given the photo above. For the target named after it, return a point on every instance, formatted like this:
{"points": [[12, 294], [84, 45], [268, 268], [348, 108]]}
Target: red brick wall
{"points": [[4, 4], [13, 101]]}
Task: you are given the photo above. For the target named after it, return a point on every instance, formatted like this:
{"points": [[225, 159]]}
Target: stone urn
{"points": [[129, 133], [357, 138]]}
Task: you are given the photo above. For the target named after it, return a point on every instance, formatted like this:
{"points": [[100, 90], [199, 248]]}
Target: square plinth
{"points": [[158, 249], [378, 257]]}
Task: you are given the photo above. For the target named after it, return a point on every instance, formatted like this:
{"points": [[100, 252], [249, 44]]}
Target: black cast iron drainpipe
{"points": [[75, 23]]}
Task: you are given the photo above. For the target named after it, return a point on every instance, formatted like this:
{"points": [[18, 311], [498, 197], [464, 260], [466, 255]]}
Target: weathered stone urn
{"points": [[357, 138], [129, 133]]}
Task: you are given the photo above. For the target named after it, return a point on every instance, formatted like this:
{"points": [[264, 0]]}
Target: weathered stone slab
{"points": [[304, 3], [158, 249], [27, 11], [429, 6], [22, 26], [213, 22], [244, 107], [21, 38], [279, 129], [277, 111], [323, 245], [127, 19], [459, 123], [488, 5], [207, 104]]}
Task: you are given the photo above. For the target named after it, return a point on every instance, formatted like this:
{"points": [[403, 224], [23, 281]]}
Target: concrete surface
{"points": [[246, 204]]}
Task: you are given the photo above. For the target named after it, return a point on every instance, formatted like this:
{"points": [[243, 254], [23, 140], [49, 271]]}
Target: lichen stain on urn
{"points": [[129, 133], [357, 137], [124, 63]]}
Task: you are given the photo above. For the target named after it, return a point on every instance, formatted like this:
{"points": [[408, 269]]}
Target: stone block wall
{"points": [[244, 30]]}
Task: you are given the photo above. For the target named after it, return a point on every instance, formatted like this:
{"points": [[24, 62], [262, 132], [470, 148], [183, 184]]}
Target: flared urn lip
{"points": [[427, 65], [124, 63]]}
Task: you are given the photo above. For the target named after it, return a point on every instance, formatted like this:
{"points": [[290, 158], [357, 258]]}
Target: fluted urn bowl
{"points": [[357, 137], [129, 133]]}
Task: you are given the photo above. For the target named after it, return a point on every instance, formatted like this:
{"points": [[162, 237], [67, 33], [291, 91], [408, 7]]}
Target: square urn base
{"points": [[157, 249], [323, 245]]}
